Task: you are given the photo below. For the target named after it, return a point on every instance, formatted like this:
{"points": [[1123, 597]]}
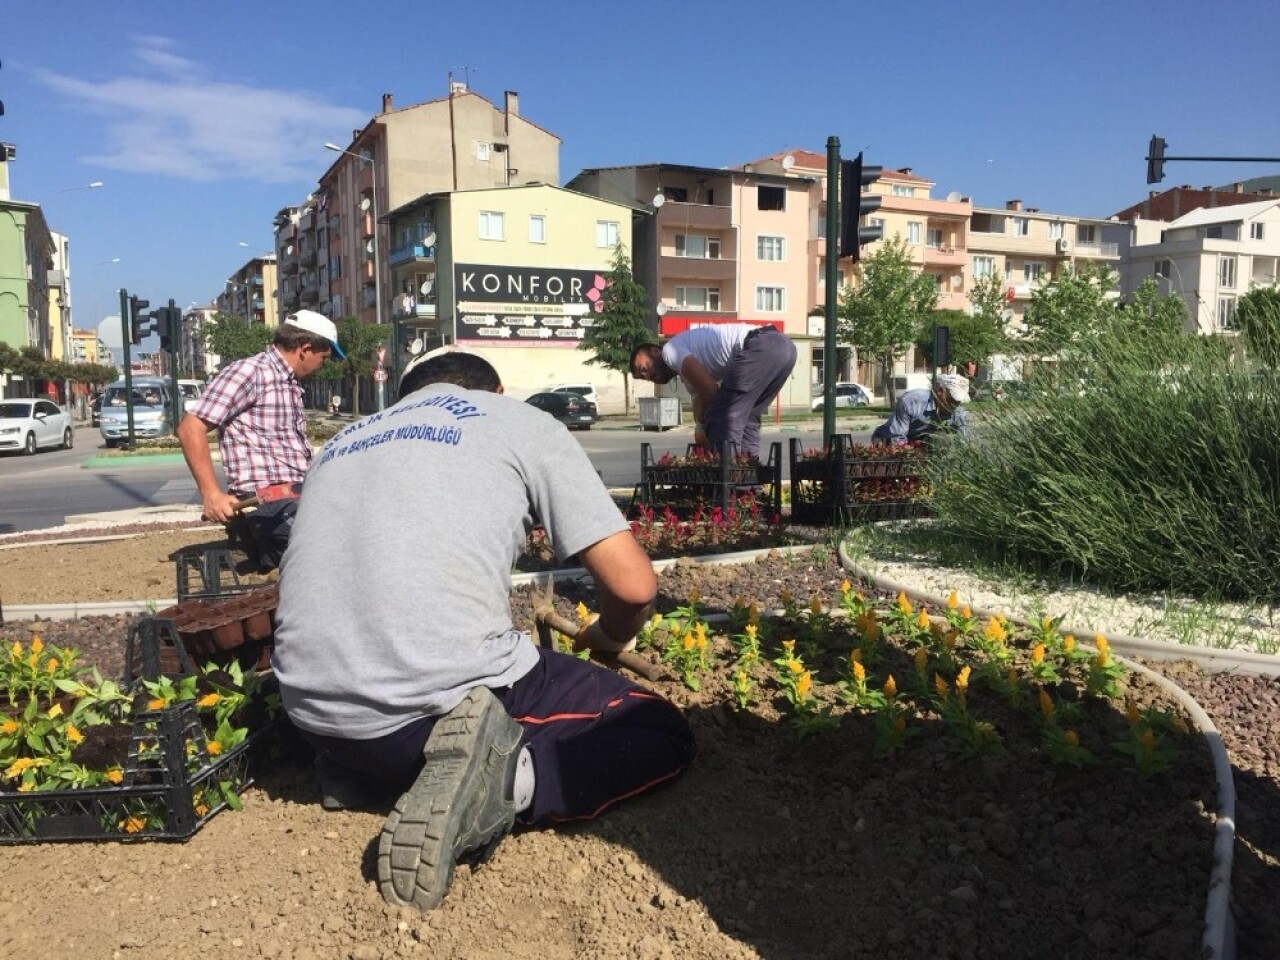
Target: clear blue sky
{"points": [[202, 120]]}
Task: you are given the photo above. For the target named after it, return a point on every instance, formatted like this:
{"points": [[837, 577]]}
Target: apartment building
{"points": [[85, 346], [513, 273], [328, 247], [26, 259], [719, 246], [1209, 257], [252, 292], [1026, 247], [1169, 205]]}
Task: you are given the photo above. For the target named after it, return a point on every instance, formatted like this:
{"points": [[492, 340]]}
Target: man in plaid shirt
{"points": [[255, 404]]}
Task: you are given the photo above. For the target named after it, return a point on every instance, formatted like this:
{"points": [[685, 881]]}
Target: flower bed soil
{"points": [[769, 847]]}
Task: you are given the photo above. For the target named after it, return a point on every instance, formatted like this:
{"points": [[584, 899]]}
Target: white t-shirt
{"points": [[714, 346]]}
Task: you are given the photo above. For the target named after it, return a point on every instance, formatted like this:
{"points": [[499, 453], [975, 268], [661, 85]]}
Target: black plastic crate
{"points": [[161, 797], [209, 575], [835, 489], [684, 488]]}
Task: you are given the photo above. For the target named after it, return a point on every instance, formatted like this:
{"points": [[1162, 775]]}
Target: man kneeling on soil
{"points": [[395, 649]]}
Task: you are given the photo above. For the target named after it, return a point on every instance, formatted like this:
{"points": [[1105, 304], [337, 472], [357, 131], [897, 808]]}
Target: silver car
{"points": [[29, 425], [152, 408]]}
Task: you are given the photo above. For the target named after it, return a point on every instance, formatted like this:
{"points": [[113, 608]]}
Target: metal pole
{"points": [[174, 321], [377, 279], [127, 330], [833, 256]]}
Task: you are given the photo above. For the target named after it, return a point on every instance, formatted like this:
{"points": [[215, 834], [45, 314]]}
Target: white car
{"points": [[28, 425], [848, 394], [584, 390]]}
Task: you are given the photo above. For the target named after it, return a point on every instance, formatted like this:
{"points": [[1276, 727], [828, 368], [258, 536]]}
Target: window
{"points": [[482, 150], [1255, 231], [875, 222], [987, 223], [335, 268], [771, 299], [771, 248], [822, 275], [676, 194], [1227, 272], [491, 225], [1032, 272], [1164, 268], [1086, 233], [606, 233], [537, 229], [1213, 233], [902, 190], [1226, 318], [771, 198], [1021, 226], [702, 248], [913, 232], [984, 266], [933, 237], [1056, 230], [698, 298]]}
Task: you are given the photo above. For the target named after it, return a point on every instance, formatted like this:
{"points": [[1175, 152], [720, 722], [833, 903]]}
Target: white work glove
{"points": [[593, 637]]}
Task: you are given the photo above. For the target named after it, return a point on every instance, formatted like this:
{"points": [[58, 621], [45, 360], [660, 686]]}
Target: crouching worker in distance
{"points": [[395, 648]]}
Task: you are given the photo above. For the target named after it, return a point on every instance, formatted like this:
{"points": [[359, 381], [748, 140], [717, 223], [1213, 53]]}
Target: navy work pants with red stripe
{"points": [[595, 737]]}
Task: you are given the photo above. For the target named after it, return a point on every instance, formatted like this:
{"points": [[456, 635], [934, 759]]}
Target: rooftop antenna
{"points": [[466, 77]]}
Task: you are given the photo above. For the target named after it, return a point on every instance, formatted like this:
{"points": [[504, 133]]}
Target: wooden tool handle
{"points": [[625, 659]]}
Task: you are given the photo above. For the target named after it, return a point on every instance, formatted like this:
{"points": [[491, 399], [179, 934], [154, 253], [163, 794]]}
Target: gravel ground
{"points": [[768, 848]]}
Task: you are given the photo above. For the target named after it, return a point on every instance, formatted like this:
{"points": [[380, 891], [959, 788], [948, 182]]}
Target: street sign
{"points": [[380, 375]]}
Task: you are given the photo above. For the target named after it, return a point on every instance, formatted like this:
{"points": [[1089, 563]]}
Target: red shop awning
{"points": [[673, 323]]}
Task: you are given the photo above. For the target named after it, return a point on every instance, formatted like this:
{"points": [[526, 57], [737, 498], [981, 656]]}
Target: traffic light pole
{"points": [[1156, 159], [173, 323], [829, 354], [126, 326]]}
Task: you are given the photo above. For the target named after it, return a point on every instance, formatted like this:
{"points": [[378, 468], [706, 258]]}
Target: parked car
{"points": [[848, 394], [581, 389], [151, 411], [28, 425], [572, 409], [95, 409]]}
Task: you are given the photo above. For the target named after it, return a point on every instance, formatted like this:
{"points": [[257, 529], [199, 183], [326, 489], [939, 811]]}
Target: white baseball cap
{"points": [[318, 324], [957, 387]]}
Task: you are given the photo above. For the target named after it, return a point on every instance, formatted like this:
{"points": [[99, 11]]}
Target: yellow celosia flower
{"points": [[52, 665], [74, 735], [1104, 650], [55, 711], [891, 687], [952, 600], [803, 685], [1070, 738], [995, 631], [922, 621], [26, 787], [855, 655], [846, 587], [795, 666], [201, 809], [656, 620], [15, 652], [904, 605], [1037, 654], [815, 606], [158, 703], [751, 631], [789, 646], [868, 627], [583, 613], [940, 685], [700, 630], [36, 645], [859, 672], [18, 767], [9, 726], [115, 776], [1069, 643], [949, 639], [133, 825], [214, 748], [687, 642], [1046, 623], [702, 640], [694, 597], [921, 659], [753, 613], [1046, 705], [966, 612], [208, 700], [962, 679]]}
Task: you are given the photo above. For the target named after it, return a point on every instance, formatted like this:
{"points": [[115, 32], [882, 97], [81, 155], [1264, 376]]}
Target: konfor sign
{"points": [[490, 283]]}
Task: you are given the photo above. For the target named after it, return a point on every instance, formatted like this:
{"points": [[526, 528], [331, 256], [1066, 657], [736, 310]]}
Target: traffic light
{"points": [[1155, 160], [137, 321], [854, 175], [169, 323]]}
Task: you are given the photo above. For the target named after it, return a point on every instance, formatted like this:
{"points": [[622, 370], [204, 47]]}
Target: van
{"points": [[191, 391], [902, 382], [151, 410]]}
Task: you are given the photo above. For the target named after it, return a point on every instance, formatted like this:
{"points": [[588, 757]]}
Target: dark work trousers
{"points": [[755, 376], [264, 531], [595, 738]]}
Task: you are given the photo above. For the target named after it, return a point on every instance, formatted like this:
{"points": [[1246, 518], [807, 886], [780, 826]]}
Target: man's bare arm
{"points": [[193, 434], [702, 387], [625, 584]]}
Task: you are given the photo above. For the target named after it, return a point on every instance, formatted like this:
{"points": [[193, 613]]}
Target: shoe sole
{"points": [[417, 849]]}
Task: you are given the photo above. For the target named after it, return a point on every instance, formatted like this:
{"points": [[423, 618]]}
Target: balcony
{"points": [[307, 221], [308, 257], [696, 268], [412, 253], [1104, 250], [945, 256], [310, 296], [674, 215], [289, 263]]}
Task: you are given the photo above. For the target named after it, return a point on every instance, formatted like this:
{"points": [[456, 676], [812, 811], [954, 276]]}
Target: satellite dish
{"points": [[416, 347], [429, 240], [661, 309], [364, 203], [788, 162], [369, 246], [954, 196], [659, 199], [427, 287]]}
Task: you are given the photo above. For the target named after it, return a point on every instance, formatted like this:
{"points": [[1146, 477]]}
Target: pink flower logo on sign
{"points": [[594, 294]]}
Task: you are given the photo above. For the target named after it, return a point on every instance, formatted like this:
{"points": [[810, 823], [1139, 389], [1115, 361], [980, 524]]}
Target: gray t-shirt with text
{"points": [[393, 591]]}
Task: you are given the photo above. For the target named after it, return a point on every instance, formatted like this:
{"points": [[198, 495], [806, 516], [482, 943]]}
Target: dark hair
{"points": [[289, 337], [461, 369], [640, 348]]}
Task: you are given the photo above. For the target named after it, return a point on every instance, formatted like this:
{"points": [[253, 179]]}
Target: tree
{"points": [[358, 341], [1069, 308], [1258, 317], [233, 338], [881, 315], [621, 323], [972, 338]]}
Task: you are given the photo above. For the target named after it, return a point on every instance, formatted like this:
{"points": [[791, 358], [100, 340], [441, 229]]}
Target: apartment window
{"points": [[875, 222], [933, 237], [1056, 230], [606, 233], [1255, 231], [482, 150], [491, 225], [1086, 233], [335, 268], [1031, 271], [771, 198], [1213, 233], [700, 248], [1226, 318], [771, 299], [771, 248], [1164, 268], [1227, 272], [1021, 226], [984, 266], [913, 232], [537, 229], [987, 223], [698, 298], [902, 190]]}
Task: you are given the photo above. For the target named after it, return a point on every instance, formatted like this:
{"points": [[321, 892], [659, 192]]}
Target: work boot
{"points": [[459, 808], [342, 788]]}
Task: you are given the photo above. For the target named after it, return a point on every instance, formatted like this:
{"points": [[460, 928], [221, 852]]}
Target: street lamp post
{"points": [[377, 268], [64, 304]]}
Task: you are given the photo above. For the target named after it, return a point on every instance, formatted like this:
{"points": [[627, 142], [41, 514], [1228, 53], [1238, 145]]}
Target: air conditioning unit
{"points": [[1063, 247]]}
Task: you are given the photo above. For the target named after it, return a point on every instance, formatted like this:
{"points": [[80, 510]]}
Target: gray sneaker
{"points": [[458, 809]]}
